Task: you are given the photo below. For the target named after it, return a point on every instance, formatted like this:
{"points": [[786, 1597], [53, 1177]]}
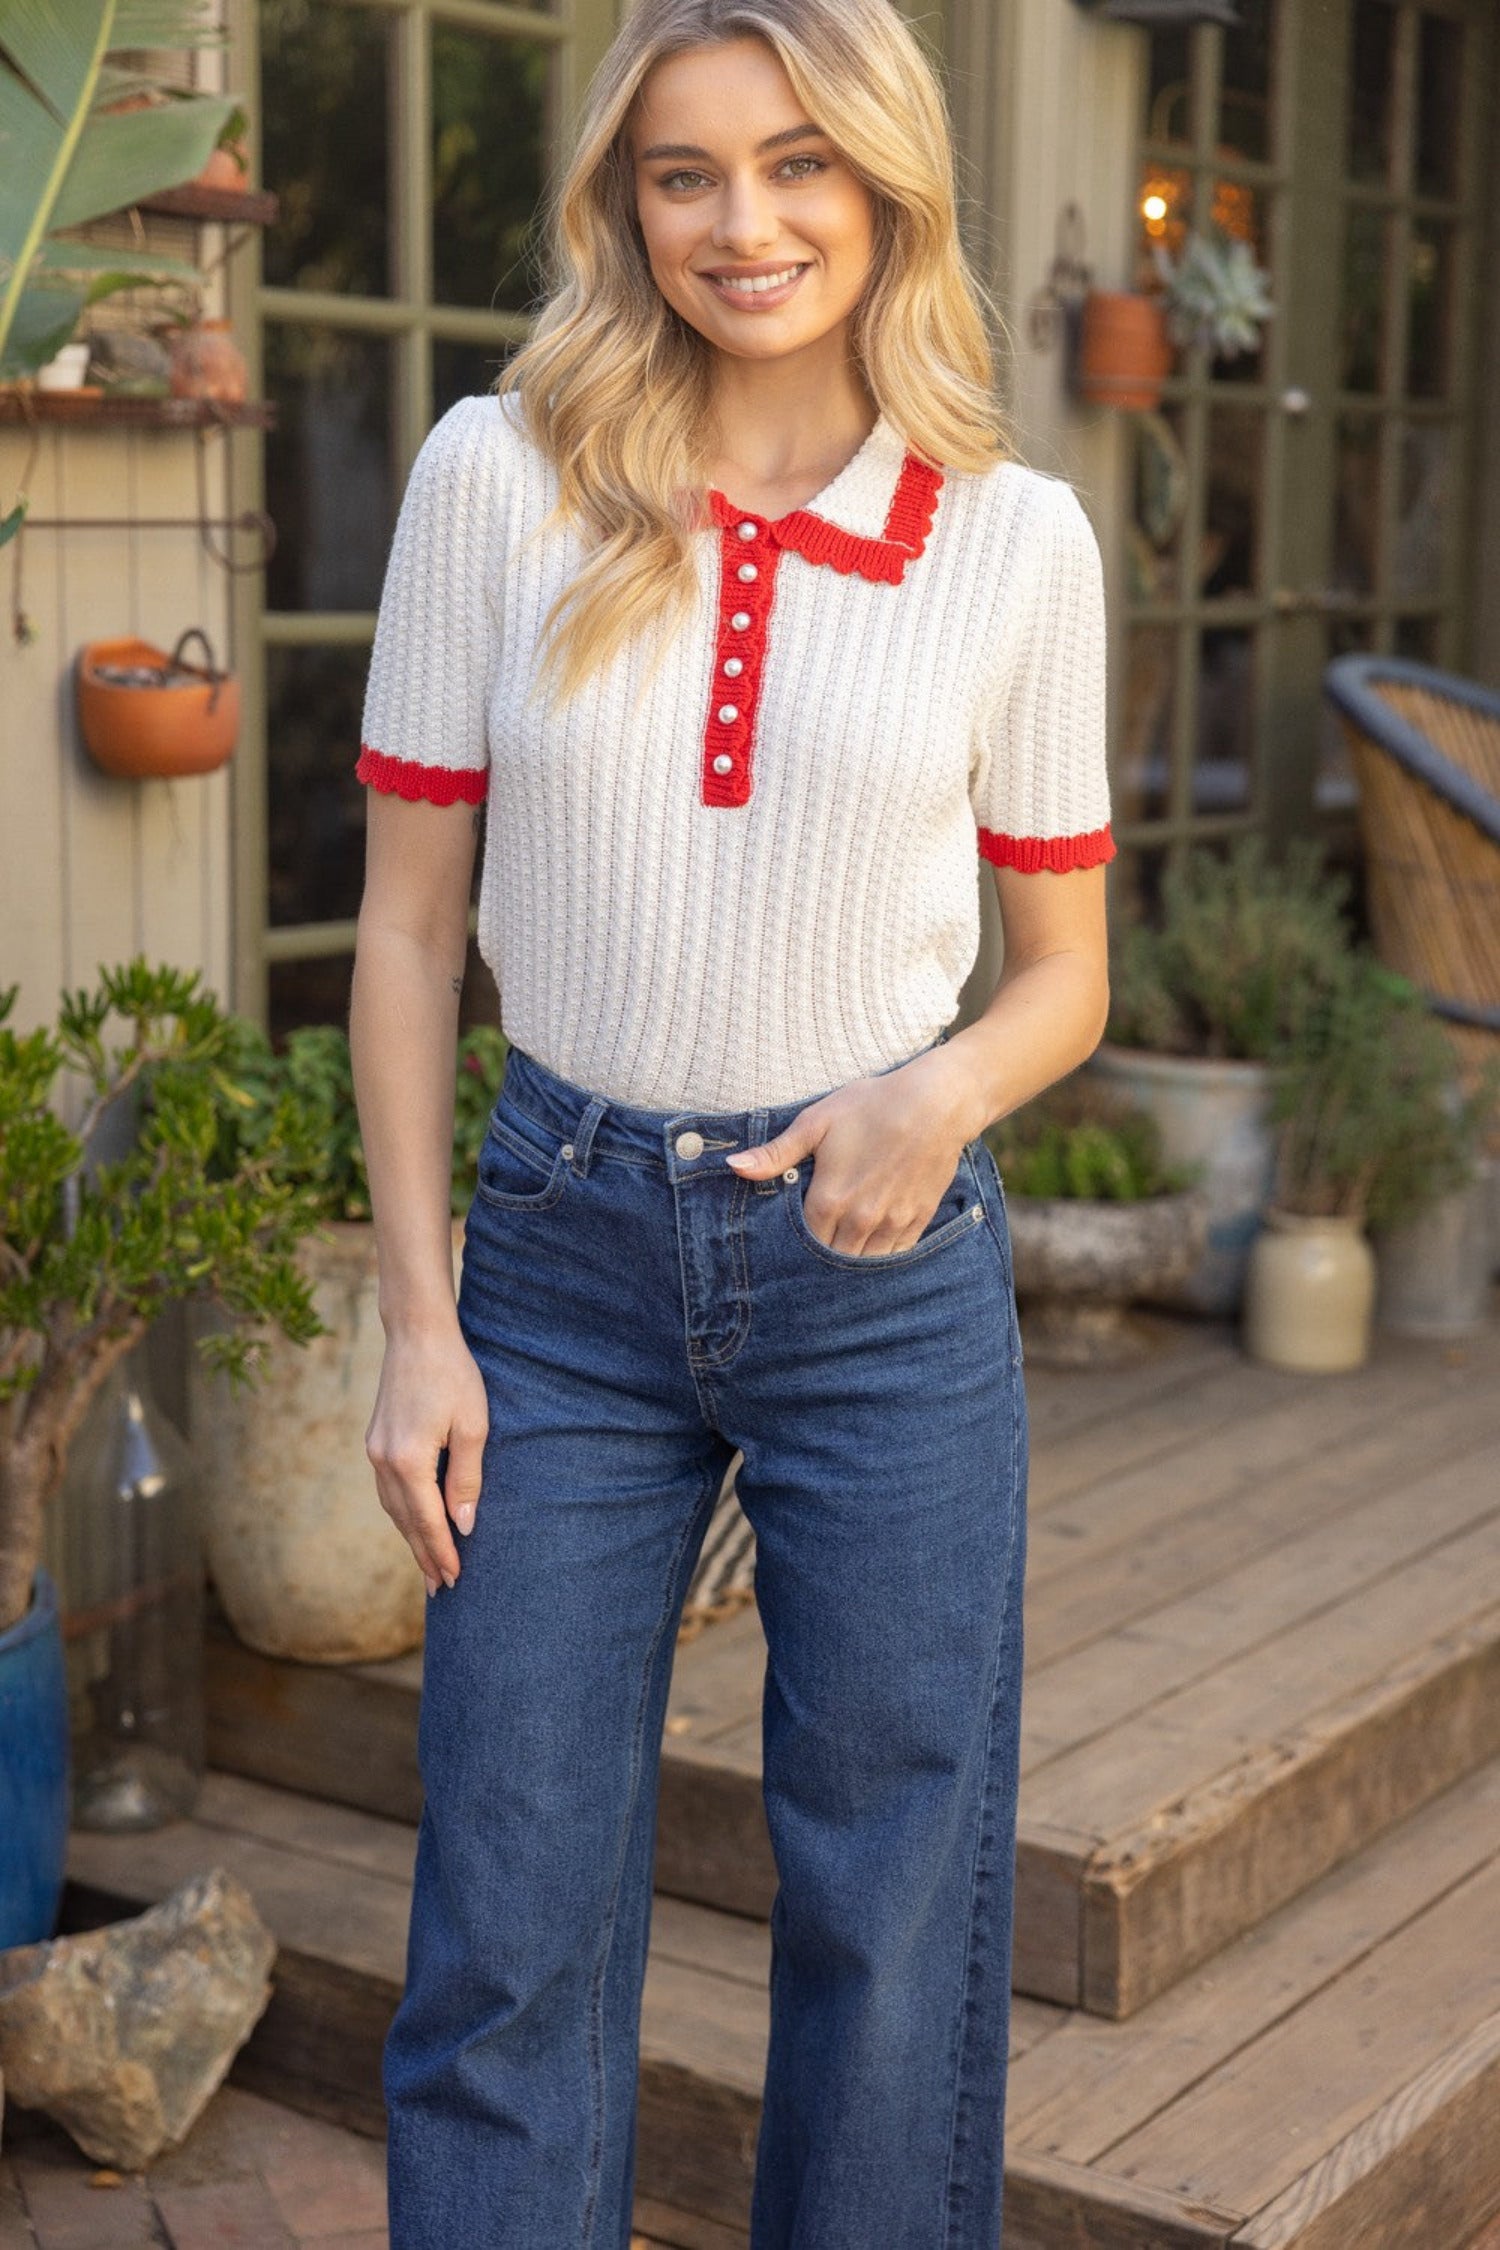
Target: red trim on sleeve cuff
{"points": [[433, 785], [1054, 855]]}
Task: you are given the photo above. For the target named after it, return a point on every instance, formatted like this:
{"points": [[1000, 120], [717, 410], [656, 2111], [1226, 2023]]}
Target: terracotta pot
{"points": [[206, 362], [226, 168], [1310, 1295], [1125, 352], [185, 724]]}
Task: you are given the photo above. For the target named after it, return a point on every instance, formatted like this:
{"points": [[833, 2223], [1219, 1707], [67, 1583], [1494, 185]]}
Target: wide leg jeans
{"points": [[639, 1313]]}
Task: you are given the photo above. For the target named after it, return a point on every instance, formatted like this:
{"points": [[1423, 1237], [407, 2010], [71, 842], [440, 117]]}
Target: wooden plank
{"points": [[668, 2228], [348, 1733], [1173, 1892], [1094, 2081], [1421, 2168], [1049, 2203], [1241, 2136]]}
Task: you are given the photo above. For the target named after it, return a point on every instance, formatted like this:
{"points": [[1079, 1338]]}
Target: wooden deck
{"points": [[1258, 1916], [1263, 1623]]}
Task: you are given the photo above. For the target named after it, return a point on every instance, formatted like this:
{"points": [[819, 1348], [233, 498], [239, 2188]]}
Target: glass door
{"points": [[1308, 496]]}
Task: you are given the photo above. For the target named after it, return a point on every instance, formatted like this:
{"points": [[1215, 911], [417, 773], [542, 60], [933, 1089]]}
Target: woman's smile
{"points": [[760, 293]]}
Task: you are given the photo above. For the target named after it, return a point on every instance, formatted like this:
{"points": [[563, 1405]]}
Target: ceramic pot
{"points": [[1079, 1265], [1434, 1271], [1125, 351], [1310, 1294], [306, 1563], [206, 362], [144, 714], [35, 1777], [226, 168], [66, 370], [1212, 1114]]}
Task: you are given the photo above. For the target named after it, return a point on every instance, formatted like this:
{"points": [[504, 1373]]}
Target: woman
{"points": [[810, 639]]}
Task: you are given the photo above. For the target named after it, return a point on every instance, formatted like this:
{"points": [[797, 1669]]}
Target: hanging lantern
{"points": [[1164, 15]]}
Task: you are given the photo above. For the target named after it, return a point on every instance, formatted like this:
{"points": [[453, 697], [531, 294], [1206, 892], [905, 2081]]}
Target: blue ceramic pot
{"points": [[34, 1774]]}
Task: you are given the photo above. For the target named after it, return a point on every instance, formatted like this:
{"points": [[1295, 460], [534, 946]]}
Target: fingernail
{"points": [[464, 1517], [450, 1579], [432, 1586], [741, 1156]]}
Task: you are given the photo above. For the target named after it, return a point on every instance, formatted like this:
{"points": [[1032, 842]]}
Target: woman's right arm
{"points": [[403, 1031]]}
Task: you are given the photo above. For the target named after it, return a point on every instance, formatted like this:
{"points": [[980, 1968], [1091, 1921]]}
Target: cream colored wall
{"points": [[93, 869]]}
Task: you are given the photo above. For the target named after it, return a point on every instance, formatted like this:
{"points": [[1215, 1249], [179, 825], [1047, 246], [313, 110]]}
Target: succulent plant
{"points": [[1217, 294]]}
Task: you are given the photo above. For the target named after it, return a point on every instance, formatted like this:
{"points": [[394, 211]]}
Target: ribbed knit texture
{"points": [[688, 955]]}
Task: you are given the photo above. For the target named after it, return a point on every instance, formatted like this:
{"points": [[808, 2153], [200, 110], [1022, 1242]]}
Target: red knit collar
{"points": [[816, 533]]}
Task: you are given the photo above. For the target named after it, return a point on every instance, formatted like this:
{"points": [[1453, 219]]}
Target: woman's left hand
{"points": [[885, 1150]]}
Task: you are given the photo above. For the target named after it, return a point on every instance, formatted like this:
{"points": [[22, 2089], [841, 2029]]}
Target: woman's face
{"points": [[734, 178]]}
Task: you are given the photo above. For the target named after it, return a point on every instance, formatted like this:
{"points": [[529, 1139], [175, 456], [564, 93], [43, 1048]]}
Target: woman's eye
{"points": [[671, 179]]}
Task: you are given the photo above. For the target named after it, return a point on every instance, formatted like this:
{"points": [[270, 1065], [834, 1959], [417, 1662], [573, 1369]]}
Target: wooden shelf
{"points": [[255, 207], [135, 413]]}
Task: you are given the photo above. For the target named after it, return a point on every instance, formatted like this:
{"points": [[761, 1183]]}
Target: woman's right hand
{"points": [[431, 1396]]}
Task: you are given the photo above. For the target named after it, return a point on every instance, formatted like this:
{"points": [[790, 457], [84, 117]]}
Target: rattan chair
{"points": [[1425, 746]]}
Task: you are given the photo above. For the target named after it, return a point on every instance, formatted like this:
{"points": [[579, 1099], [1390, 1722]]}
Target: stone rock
{"points": [[124, 2033]]}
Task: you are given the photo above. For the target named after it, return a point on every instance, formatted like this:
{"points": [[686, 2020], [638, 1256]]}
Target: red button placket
{"points": [[747, 577]]}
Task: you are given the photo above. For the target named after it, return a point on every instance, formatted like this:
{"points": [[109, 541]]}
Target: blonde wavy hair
{"points": [[615, 386]]}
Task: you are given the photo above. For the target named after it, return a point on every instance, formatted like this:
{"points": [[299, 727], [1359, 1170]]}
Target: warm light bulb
{"points": [[1154, 209]]}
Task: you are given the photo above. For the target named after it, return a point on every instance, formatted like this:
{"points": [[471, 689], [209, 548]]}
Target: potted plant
{"points": [[144, 713], [1368, 1134], [90, 1252], [1215, 293], [102, 135], [301, 1558], [1206, 1003], [1097, 1220], [1125, 351]]}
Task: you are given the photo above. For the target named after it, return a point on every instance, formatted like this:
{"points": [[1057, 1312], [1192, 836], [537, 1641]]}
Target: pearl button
{"points": [[689, 1144], [741, 621], [734, 665], [748, 571], [723, 763], [747, 530], [728, 713]]}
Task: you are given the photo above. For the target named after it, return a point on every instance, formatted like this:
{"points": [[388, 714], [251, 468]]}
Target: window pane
{"points": [[1429, 333], [324, 123], [1161, 491], [1245, 100], [463, 371], [1372, 56], [1169, 102], [1356, 519], [1417, 562], [308, 992], [1226, 719], [1145, 766], [1165, 206], [316, 808], [328, 471], [1364, 291], [1335, 787], [1241, 212], [1439, 104], [1416, 639], [1229, 562], [489, 113]]}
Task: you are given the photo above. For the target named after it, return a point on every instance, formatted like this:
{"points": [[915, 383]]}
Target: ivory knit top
{"points": [[763, 882]]}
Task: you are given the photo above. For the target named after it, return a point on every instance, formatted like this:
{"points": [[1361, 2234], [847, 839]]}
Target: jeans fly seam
{"points": [[977, 1869], [596, 1995]]}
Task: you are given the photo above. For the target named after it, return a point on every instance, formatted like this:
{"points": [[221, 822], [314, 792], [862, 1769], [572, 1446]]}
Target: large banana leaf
{"points": [[64, 159]]}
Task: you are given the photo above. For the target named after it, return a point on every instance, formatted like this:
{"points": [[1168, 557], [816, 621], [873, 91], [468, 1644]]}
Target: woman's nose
{"points": [[747, 222]]}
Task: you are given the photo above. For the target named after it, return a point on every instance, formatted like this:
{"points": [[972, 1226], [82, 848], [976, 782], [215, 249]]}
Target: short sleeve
{"points": [[424, 730], [1039, 783]]}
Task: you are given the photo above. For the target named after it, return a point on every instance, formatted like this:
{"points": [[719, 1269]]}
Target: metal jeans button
{"points": [[689, 1144]]}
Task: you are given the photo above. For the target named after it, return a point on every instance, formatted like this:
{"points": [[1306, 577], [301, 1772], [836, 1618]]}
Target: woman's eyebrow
{"points": [[687, 148]]}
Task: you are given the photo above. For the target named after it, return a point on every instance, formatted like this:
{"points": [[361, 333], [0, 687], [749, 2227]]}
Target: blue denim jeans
{"points": [[639, 1312]]}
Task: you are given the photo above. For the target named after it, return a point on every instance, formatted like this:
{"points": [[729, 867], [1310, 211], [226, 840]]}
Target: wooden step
{"points": [[1329, 2082], [1262, 1625]]}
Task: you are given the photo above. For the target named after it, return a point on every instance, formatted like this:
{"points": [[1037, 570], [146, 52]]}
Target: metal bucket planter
{"points": [[305, 1561], [1079, 1265], [34, 1771], [1434, 1271], [1211, 1114]]}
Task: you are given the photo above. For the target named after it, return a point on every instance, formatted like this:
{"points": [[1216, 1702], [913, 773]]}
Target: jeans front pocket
{"points": [[523, 1166], [960, 1212]]}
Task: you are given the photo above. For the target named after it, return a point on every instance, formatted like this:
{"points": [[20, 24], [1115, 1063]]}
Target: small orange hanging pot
{"points": [[145, 715], [1125, 351]]}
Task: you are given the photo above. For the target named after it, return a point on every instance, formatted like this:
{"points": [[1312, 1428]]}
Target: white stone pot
{"points": [[1310, 1295], [1212, 1114], [305, 1560], [1080, 1265]]}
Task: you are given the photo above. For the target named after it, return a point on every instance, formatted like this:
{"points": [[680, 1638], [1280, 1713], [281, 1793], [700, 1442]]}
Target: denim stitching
{"points": [[596, 1995], [953, 1231]]}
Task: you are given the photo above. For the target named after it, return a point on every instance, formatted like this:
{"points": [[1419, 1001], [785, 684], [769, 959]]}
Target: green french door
{"points": [[410, 143], [1310, 497]]}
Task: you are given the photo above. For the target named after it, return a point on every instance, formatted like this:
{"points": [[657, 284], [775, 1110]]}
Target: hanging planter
{"points": [[1125, 351], [204, 361], [145, 715]]}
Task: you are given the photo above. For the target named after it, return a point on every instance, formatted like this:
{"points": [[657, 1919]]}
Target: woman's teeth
{"points": [[759, 283]]}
